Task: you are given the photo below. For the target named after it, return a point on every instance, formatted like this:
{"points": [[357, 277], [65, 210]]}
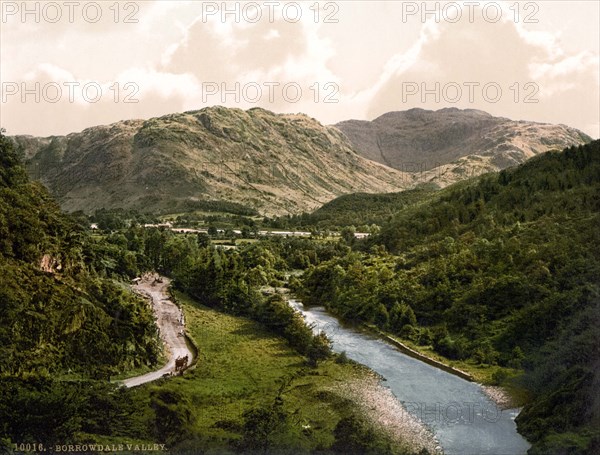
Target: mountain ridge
{"points": [[451, 141], [277, 163]]}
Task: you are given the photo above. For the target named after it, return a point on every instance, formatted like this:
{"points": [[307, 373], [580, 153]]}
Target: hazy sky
{"points": [[65, 66]]}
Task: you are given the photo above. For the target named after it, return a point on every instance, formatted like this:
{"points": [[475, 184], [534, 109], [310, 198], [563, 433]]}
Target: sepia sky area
{"points": [[66, 66]]}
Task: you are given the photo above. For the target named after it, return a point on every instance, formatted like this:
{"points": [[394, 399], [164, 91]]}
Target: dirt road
{"points": [[169, 319]]}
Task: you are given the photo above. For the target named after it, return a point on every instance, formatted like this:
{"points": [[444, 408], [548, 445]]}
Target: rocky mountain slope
{"points": [[450, 144], [276, 164]]}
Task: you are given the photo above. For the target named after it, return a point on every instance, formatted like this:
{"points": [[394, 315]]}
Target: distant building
{"points": [[160, 225], [286, 233], [189, 231]]}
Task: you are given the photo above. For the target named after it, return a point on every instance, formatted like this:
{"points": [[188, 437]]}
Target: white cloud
{"points": [[518, 61], [271, 34], [166, 85], [368, 54]]}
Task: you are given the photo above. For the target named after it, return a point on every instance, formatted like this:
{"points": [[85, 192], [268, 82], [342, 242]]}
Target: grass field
{"points": [[240, 367]]}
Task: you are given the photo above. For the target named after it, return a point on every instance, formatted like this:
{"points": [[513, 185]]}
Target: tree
{"points": [[353, 436], [203, 240], [298, 334], [382, 317], [174, 415], [400, 316], [347, 234], [319, 349], [517, 357]]}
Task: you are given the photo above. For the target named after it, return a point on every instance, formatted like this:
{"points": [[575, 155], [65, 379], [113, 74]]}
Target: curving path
{"points": [[169, 319]]}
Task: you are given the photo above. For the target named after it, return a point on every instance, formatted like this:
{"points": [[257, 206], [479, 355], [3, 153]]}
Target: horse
{"points": [[181, 363]]}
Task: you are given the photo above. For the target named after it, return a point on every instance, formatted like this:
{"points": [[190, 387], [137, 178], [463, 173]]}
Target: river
{"points": [[463, 418]]}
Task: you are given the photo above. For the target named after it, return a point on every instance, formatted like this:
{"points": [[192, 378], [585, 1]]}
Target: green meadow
{"points": [[242, 368]]}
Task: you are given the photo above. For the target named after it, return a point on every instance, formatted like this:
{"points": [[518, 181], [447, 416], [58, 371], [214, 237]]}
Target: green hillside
{"points": [[63, 324], [503, 272], [359, 209]]}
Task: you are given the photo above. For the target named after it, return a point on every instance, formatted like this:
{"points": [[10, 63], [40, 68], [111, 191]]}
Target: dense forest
{"points": [[59, 310], [65, 326], [503, 270], [373, 209]]}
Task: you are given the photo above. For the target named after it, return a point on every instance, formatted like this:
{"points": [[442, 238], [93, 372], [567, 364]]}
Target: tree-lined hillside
{"points": [[58, 312], [358, 209], [503, 270], [60, 317]]}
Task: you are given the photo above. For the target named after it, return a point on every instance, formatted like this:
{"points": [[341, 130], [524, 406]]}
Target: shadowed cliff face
{"points": [[277, 164], [447, 145]]}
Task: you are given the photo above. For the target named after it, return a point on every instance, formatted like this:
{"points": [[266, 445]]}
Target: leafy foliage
{"points": [[375, 209], [60, 314], [502, 270], [354, 436]]}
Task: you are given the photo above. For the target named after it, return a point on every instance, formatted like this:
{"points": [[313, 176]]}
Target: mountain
{"points": [[450, 144], [277, 164]]}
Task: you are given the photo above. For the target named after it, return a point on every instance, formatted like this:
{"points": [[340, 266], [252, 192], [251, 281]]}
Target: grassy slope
{"points": [[242, 366]]}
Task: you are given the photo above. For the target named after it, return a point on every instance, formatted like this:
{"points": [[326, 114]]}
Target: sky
{"points": [[69, 65]]}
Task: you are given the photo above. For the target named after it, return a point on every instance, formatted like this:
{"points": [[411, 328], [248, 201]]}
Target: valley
{"points": [[299, 228], [496, 275]]}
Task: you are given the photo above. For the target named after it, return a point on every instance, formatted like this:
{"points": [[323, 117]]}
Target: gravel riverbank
{"points": [[382, 408]]}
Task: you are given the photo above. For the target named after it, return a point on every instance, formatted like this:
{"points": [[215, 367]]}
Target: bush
{"points": [[342, 358], [260, 427], [409, 332], [320, 349], [499, 376], [174, 415], [353, 436]]}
